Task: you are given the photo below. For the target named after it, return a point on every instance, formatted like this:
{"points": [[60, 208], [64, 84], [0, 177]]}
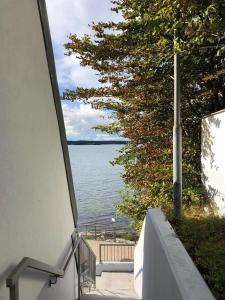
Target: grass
{"points": [[203, 235]]}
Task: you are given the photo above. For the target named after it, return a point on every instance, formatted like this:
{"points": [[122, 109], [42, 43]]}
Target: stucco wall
{"points": [[213, 158], [35, 212], [66, 288], [162, 268]]}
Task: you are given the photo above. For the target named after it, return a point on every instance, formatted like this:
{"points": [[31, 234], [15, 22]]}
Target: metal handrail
{"points": [[30, 263]]}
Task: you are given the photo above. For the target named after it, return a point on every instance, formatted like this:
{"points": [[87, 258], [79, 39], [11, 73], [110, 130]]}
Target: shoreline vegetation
{"points": [[96, 142]]}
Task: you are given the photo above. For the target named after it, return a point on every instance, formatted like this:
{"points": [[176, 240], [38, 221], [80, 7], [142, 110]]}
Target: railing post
{"points": [[100, 254], [94, 271], [78, 271], [14, 291], [95, 233], [89, 261]]}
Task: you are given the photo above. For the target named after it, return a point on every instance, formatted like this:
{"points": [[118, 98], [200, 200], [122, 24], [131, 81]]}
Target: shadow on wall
{"points": [[208, 138], [207, 152], [27, 274]]}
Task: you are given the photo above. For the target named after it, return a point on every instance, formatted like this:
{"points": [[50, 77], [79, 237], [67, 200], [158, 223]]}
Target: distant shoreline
{"points": [[96, 142]]}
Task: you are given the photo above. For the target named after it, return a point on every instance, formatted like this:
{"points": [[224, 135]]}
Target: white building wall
{"points": [[35, 212], [163, 269], [213, 158], [66, 288]]}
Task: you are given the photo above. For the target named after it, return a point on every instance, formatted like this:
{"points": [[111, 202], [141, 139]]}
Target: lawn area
{"points": [[204, 239]]}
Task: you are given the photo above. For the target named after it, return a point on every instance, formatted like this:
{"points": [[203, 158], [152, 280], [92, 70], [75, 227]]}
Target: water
{"points": [[97, 182]]}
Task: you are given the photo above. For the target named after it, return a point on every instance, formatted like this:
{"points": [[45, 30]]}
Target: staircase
{"points": [[112, 286]]}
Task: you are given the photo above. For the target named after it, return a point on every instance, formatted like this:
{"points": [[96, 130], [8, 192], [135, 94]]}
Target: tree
{"points": [[134, 59]]}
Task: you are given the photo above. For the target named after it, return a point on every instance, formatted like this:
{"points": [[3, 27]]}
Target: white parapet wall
{"points": [[109, 266], [163, 270], [213, 158]]}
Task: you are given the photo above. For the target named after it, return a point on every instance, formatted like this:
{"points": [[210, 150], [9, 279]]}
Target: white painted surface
{"points": [[67, 287], [114, 267], [213, 158], [138, 262], [162, 268], [35, 213], [113, 286]]}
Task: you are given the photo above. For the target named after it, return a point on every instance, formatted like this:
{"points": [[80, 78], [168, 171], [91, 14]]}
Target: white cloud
{"points": [[80, 120], [73, 16], [70, 72]]}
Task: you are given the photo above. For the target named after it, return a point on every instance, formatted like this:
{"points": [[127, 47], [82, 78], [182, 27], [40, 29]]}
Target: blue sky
{"points": [[73, 16]]}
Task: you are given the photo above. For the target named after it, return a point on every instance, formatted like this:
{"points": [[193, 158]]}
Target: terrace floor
{"points": [[112, 286]]}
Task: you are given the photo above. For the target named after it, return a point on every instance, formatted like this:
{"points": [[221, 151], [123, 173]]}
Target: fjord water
{"points": [[97, 182]]}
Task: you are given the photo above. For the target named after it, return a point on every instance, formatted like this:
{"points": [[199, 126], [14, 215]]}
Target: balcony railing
{"points": [[87, 264], [116, 252]]}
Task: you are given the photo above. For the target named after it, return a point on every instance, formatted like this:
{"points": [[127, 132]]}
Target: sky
{"points": [[73, 16]]}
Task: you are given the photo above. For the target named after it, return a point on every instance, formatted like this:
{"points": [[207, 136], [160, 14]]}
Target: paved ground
{"points": [[113, 286], [116, 254]]}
